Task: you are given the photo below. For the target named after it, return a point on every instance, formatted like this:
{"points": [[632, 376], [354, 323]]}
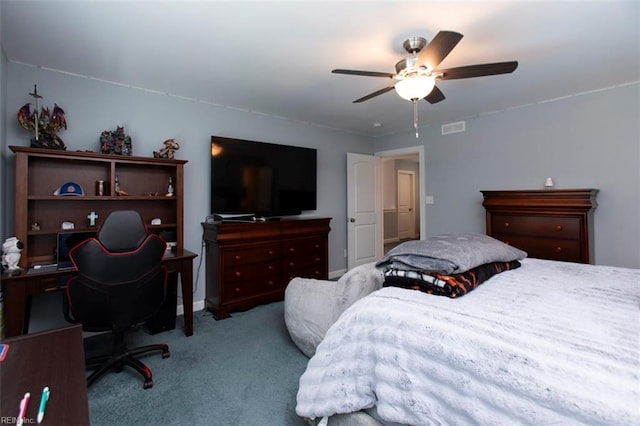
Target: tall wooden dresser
{"points": [[554, 224], [251, 263]]}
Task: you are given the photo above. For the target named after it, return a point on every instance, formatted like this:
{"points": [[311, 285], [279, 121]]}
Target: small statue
{"points": [[170, 189], [44, 123], [169, 150], [11, 249], [116, 142]]}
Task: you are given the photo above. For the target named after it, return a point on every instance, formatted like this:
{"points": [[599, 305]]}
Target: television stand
{"points": [[249, 264]]}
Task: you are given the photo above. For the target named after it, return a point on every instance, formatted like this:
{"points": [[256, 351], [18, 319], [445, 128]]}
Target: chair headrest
{"points": [[122, 230]]}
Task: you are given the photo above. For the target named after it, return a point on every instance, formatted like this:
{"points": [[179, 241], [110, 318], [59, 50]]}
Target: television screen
{"points": [[261, 179]]}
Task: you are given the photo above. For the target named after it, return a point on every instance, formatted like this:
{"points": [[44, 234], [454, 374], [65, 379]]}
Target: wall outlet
{"points": [[428, 199]]}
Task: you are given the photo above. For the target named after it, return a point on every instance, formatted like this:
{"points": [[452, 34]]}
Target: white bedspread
{"points": [[550, 343]]}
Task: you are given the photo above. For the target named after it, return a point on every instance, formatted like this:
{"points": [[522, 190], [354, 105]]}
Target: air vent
{"points": [[457, 127]]}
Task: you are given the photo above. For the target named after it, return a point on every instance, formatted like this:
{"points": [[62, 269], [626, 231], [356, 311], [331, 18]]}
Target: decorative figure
{"points": [[11, 249], [118, 190], [92, 219], [44, 123], [168, 151], [35, 226], [169, 188], [115, 142], [68, 225]]}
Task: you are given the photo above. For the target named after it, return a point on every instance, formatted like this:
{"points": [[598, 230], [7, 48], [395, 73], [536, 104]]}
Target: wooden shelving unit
{"points": [[39, 172]]}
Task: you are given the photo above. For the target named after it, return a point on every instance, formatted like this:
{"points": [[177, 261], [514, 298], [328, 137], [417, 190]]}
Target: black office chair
{"points": [[120, 283]]}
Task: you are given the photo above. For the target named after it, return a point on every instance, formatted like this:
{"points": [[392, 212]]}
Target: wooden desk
{"points": [[51, 358], [19, 288]]}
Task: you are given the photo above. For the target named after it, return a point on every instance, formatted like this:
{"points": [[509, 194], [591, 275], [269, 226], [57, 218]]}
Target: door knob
{"points": [[352, 219]]}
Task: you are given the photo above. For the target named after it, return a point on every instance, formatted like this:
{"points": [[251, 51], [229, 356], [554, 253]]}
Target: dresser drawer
{"points": [[541, 226], [233, 291], [314, 271], [296, 265], [251, 271], [544, 248], [254, 254], [303, 246]]}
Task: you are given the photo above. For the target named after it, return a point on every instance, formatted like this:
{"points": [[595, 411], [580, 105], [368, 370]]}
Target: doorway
{"points": [[368, 227], [402, 193]]}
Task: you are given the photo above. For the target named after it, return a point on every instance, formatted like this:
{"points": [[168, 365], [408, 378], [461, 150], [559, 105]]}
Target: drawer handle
{"points": [[292, 263], [507, 224], [238, 274], [558, 227], [270, 252], [238, 257], [270, 283], [317, 246], [237, 289], [317, 259], [270, 267], [558, 249], [292, 249]]}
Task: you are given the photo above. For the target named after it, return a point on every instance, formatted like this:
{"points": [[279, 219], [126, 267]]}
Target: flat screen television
{"points": [[261, 179]]}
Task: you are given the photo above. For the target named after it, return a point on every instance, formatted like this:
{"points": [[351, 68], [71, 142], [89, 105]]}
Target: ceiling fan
{"points": [[416, 75]]}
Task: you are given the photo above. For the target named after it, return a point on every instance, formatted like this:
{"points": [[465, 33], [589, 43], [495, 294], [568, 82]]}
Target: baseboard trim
{"points": [[197, 306], [337, 274]]}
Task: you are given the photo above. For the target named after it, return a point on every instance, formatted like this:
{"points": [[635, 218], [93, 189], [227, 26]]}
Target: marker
{"points": [[43, 403], [23, 408]]}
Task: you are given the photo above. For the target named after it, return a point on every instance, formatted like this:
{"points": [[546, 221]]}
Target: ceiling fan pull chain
{"points": [[415, 116]]}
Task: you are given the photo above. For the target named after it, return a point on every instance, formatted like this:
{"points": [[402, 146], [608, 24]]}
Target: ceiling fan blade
{"points": [[364, 73], [435, 96], [373, 95], [479, 70], [441, 45]]}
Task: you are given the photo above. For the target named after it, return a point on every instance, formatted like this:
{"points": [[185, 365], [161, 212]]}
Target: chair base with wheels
{"points": [[120, 357]]}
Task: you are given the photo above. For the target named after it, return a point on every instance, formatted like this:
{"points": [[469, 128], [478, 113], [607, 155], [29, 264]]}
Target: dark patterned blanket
{"points": [[453, 285]]}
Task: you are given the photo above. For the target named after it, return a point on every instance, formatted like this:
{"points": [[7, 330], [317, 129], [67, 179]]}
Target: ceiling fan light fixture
{"points": [[414, 88]]}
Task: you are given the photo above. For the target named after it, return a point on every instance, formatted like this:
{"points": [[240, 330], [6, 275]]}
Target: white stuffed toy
{"points": [[11, 249]]}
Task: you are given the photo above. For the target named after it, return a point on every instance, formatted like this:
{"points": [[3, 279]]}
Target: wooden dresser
{"points": [[251, 263], [554, 224]]}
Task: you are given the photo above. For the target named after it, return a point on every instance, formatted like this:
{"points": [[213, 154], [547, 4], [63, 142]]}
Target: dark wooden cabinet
{"points": [[554, 224], [251, 263], [39, 213]]}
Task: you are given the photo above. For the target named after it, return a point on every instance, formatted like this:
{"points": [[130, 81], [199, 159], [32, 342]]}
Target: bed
{"points": [[545, 342]]}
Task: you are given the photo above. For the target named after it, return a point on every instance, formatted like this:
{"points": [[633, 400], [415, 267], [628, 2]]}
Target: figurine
{"points": [[169, 150], [44, 123], [170, 189], [92, 219], [11, 249], [115, 142]]}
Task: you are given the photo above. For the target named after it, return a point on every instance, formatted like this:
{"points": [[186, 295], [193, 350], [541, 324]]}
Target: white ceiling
{"points": [[276, 58]]}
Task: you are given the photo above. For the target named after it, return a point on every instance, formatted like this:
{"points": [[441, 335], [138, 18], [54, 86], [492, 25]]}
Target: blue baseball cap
{"points": [[69, 188]]}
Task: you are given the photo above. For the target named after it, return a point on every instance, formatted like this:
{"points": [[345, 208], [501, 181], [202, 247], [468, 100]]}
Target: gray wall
{"points": [[590, 140], [92, 106]]}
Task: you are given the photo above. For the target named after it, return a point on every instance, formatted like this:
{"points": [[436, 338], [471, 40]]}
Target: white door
{"points": [[406, 204], [364, 210]]}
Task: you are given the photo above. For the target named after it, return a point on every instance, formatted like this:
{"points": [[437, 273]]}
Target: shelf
{"points": [[39, 172], [66, 199]]}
